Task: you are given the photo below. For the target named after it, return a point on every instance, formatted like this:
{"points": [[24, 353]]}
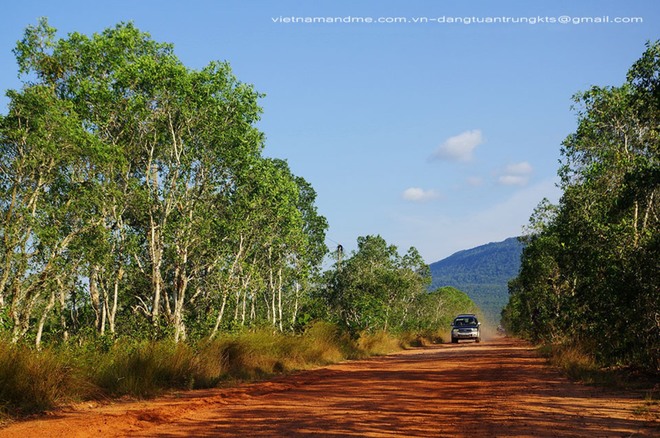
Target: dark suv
{"points": [[465, 326]]}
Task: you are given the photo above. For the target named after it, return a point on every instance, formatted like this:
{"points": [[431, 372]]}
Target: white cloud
{"points": [[513, 180], [438, 236], [522, 168], [516, 174], [416, 194], [459, 147]]}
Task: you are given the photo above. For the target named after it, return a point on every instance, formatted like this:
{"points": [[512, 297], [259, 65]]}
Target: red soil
{"points": [[496, 388]]}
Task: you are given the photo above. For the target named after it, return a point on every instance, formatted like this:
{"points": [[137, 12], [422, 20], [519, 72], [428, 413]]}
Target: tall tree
{"points": [[591, 273], [131, 176], [376, 287]]}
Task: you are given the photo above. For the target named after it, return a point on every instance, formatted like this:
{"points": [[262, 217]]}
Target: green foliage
{"points": [[590, 272], [134, 198], [375, 288], [436, 310]]}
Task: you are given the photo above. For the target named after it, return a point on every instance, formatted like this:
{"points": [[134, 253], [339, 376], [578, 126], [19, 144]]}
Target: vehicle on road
{"points": [[465, 326]]}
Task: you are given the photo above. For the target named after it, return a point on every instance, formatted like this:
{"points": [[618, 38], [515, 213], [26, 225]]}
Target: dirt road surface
{"points": [[492, 389]]}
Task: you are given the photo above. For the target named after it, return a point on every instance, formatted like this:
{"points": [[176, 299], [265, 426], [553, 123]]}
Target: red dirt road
{"points": [[497, 388]]}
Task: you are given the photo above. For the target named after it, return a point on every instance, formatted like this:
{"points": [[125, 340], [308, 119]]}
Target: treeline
{"points": [[590, 274], [379, 289], [135, 201], [134, 196]]}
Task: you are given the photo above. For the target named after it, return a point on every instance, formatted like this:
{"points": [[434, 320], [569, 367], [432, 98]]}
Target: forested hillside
{"points": [[482, 272]]}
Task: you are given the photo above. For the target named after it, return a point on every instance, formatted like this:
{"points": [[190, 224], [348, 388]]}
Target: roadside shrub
{"points": [[246, 355], [573, 361], [250, 355]]}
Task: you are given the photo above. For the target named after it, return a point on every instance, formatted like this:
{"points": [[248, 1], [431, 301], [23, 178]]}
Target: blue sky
{"points": [[438, 135]]}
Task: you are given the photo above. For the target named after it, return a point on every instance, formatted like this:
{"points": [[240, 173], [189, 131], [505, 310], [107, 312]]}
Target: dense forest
{"points": [[135, 201], [590, 274]]}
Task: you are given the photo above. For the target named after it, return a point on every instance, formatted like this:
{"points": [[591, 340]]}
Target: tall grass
{"points": [[573, 361], [421, 338], [577, 364], [33, 381], [378, 343], [143, 369]]}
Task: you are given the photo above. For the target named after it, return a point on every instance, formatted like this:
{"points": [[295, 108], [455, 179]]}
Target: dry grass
{"points": [[34, 381], [379, 343], [574, 362], [420, 339], [144, 369], [582, 367]]}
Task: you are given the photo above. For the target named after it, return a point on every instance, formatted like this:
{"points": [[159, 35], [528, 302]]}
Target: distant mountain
{"points": [[482, 273]]}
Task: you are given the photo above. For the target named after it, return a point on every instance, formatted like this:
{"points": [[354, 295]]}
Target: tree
{"points": [[45, 197], [140, 181], [376, 287], [434, 311], [591, 272]]}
